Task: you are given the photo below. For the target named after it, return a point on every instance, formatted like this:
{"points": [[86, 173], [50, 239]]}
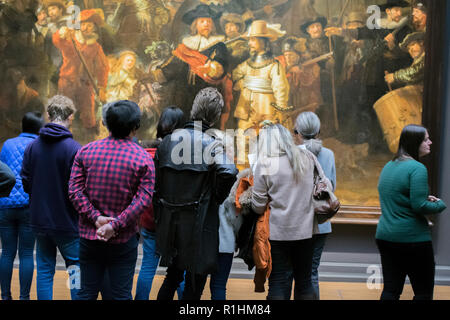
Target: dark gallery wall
{"points": [[442, 234]]}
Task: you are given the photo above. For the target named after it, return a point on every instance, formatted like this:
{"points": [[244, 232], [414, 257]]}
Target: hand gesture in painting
{"points": [[390, 40], [205, 68], [389, 78], [66, 33]]}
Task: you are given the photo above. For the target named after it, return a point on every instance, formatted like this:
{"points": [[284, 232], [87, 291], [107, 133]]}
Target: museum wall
{"points": [[441, 235]]}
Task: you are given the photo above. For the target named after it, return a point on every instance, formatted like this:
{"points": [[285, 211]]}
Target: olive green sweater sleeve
{"points": [[419, 193]]}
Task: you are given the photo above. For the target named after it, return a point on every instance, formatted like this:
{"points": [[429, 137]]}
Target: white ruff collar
{"points": [[200, 43], [386, 24]]}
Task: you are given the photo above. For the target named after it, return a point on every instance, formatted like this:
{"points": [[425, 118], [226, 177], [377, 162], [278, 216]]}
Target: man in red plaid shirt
{"points": [[111, 184]]}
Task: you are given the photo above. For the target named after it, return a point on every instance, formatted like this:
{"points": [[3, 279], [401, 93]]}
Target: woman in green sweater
{"points": [[403, 236]]}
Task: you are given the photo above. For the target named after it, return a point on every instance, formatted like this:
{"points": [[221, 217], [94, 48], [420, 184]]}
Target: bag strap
{"points": [[318, 171]]}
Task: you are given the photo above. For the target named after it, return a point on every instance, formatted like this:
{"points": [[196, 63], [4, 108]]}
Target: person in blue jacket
{"points": [[15, 227]]}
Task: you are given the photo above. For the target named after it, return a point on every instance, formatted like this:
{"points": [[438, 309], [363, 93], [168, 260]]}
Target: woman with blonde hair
{"points": [[283, 180], [123, 78]]}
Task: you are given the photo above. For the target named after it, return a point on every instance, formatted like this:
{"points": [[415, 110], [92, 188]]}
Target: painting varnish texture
{"points": [[358, 64]]}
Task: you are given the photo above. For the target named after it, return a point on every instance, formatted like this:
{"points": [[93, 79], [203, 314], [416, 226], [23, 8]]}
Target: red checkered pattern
{"points": [[114, 178]]}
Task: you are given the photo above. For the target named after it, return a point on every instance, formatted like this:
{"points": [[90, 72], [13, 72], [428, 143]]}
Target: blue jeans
{"points": [[318, 243], [219, 279], [46, 246], [291, 260], [118, 260], [150, 261], [16, 233]]}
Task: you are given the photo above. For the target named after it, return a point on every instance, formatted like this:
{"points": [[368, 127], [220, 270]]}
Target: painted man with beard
{"points": [[262, 82], [414, 74], [75, 81], [419, 17], [56, 11], [385, 56], [200, 61], [234, 26]]}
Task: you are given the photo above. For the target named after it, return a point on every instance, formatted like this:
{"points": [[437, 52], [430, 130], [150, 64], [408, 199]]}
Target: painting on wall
{"points": [[358, 64]]}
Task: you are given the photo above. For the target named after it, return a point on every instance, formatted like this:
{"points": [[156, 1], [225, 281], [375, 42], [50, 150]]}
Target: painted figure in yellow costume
{"points": [[263, 85]]}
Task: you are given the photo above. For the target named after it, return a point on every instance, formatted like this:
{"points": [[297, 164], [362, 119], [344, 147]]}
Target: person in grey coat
{"points": [[307, 128], [283, 180]]}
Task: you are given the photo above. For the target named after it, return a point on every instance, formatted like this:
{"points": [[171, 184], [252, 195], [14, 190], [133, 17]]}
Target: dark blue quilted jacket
{"points": [[12, 155]]}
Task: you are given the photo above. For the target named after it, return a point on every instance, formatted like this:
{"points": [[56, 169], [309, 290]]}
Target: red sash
{"points": [[195, 60]]}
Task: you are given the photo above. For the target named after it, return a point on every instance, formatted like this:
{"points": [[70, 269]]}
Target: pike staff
{"points": [[333, 76]]}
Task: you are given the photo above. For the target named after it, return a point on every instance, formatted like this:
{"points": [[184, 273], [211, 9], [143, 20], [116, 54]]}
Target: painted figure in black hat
{"points": [[386, 54], [414, 45], [317, 45], [200, 61], [249, 10], [356, 116]]}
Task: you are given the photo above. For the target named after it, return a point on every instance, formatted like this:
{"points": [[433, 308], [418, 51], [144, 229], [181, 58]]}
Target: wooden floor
{"points": [[243, 289]]}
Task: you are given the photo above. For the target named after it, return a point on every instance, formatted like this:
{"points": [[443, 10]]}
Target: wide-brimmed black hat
{"points": [[319, 19], [394, 3], [201, 11]]}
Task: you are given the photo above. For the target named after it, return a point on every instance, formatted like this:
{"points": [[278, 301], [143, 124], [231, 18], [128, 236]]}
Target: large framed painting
{"points": [[365, 67]]}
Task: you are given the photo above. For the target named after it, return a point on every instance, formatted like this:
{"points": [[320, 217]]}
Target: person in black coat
{"points": [[193, 177]]}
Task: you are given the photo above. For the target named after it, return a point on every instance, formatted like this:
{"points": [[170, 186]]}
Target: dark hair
{"points": [[267, 47], [207, 106], [122, 117], [172, 118], [32, 122], [411, 138]]}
